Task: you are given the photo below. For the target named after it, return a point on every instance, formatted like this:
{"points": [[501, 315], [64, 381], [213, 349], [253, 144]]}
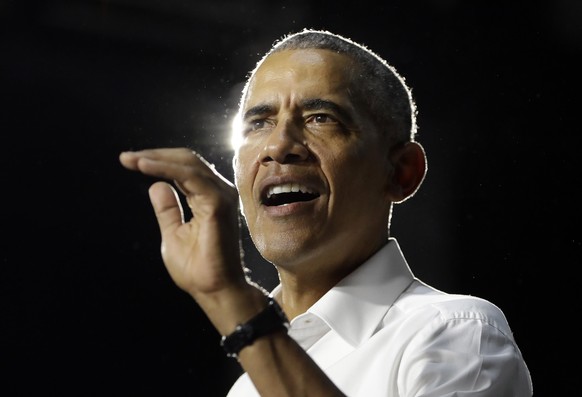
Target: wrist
{"points": [[269, 320], [233, 306]]}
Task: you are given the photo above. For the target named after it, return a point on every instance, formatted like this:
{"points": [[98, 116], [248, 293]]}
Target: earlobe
{"points": [[409, 169]]}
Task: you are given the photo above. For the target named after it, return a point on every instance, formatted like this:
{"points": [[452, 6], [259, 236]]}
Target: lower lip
{"points": [[289, 209]]}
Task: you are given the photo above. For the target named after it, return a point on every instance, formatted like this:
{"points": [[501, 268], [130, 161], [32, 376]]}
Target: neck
{"points": [[302, 286], [298, 294]]}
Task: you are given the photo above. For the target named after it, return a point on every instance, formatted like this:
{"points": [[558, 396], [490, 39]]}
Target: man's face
{"points": [[312, 171]]}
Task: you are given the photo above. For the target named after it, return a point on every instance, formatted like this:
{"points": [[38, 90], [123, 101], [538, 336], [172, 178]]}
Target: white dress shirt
{"points": [[382, 332]]}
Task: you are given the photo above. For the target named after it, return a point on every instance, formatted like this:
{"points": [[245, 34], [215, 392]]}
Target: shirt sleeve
{"points": [[464, 354]]}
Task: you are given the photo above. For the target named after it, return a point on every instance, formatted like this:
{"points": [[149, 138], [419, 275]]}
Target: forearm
{"points": [[275, 363], [278, 366]]}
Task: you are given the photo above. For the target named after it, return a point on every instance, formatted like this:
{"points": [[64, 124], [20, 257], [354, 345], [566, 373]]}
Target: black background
{"points": [[87, 306]]}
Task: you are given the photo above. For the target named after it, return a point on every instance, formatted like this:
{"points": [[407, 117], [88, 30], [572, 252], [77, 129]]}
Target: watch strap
{"points": [[271, 319]]}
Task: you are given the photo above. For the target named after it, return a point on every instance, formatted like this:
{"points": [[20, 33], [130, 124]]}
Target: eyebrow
{"points": [[257, 110], [308, 104]]}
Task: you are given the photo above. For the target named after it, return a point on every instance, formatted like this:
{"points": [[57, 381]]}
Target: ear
{"points": [[409, 168]]}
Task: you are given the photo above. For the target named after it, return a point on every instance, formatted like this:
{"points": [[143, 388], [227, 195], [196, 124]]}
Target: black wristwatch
{"points": [[271, 319]]}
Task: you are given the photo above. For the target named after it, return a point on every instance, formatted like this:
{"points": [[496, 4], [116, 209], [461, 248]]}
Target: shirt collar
{"points": [[357, 304]]}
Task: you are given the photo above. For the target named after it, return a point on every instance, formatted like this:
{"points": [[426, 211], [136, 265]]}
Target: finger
{"points": [[178, 164], [181, 155], [128, 160], [131, 159], [166, 206], [202, 185]]}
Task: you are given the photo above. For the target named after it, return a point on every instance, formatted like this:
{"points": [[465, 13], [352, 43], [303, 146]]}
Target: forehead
{"points": [[300, 72]]}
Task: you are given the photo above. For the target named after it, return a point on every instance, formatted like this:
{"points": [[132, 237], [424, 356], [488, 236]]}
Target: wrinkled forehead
{"points": [[310, 69]]}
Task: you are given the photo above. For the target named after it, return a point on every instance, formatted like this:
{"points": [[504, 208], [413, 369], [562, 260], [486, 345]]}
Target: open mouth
{"points": [[288, 193]]}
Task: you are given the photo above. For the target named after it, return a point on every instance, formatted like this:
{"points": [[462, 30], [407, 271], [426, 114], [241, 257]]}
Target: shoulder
{"points": [[429, 307]]}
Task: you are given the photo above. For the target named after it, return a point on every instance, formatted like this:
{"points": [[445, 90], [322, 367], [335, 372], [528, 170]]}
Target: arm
{"points": [[203, 257]]}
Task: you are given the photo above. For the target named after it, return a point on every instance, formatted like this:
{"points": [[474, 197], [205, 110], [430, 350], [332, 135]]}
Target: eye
{"points": [[324, 123], [321, 118], [257, 125]]}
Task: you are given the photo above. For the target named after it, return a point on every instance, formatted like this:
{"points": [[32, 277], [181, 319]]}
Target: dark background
{"points": [[87, 308]]}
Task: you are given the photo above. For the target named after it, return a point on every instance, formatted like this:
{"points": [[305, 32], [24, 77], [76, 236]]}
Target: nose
{"points": [[285, 144]]}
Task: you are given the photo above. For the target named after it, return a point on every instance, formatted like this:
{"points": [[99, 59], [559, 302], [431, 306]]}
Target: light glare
{"points": [[235, 132]]}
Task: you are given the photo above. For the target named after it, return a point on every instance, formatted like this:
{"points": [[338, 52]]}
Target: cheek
{"points": [[358, 177], [240, 166], [244, 174]]}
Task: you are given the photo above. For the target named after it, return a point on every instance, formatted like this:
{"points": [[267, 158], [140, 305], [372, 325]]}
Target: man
{"points": [[327, 148]]}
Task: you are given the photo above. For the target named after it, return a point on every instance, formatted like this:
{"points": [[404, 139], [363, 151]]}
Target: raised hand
{"points": [[202, 254]]}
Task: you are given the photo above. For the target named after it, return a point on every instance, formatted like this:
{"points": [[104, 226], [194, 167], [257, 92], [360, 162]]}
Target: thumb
{"points": [[167, 207]]}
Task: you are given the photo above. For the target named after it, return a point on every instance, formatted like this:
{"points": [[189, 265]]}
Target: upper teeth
{"points": [[287, 188]]}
